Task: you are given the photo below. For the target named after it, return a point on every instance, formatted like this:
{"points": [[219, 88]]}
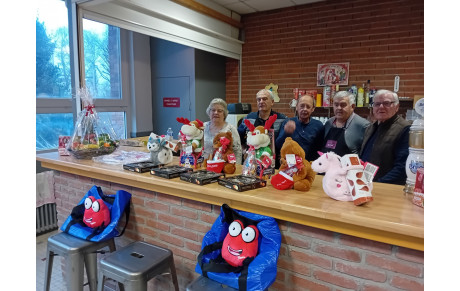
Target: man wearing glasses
{"points": [[386, 141], [343, 133]]}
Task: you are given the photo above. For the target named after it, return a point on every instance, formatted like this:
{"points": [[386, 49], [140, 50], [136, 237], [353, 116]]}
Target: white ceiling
{"points": [[250, 6]]}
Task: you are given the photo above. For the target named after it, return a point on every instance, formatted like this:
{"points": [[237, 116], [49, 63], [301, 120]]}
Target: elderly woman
{"points": [[217, 111]]}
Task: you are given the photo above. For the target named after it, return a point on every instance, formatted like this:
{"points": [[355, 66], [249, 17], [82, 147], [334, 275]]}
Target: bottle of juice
{"points": [[360, 101]]}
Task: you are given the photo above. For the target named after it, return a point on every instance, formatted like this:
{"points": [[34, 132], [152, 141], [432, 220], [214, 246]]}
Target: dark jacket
{"points": [[256, 120], [388, 150]]}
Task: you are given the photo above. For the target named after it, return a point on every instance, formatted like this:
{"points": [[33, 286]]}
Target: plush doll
{"points": [[295, 171], [222, 145], [191, 134], [160, 149], [259, 152], [96, 214], [335, 178]]}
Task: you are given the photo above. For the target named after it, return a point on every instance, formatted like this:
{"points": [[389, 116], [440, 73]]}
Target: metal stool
{"points": [[205, 284], [135, 265], [77, 253]]}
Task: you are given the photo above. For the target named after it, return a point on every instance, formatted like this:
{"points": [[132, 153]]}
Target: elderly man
{"points": [[386, 141], [265, 101], [343, 133], [306, 131]]}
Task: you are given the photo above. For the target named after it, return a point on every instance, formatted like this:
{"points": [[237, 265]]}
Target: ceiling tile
{"points": [[240, 8], [263, 5]]}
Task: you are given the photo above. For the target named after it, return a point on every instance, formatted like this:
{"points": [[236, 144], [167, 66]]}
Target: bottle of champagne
{"points": [[360, 101]]}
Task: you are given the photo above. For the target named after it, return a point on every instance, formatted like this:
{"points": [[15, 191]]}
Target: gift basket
{"points": [[92, 136]]}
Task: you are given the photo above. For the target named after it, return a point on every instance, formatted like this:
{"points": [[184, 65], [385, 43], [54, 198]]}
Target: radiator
{"points": [[46, 218]]}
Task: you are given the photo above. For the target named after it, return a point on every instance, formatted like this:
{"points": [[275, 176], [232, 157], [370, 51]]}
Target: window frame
{"points": [[77, 72]]}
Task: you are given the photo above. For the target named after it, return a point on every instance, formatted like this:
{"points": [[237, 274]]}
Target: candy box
{"points": [[63, 142], [201, 177], [140, 167], [242, 183], [419, 190], [170, 172]]}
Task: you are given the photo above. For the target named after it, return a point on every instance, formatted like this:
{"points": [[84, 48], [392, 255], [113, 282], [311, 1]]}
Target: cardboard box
{"points": [[242, 183], [201, 177], [170, 172]]}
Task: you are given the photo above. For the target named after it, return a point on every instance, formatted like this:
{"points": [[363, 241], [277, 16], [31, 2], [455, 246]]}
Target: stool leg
{"points": [[91, 270], [135, 285], [173, 274], [74, 272], [100, 283], [49, 269], [112, 246]]}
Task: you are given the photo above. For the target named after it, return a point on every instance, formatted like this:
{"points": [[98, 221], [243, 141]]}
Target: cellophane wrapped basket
{"points": [[92, 135]]}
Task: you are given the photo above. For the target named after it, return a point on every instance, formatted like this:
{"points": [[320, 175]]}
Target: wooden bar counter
{"points": [[326, 244], [391, 218]]}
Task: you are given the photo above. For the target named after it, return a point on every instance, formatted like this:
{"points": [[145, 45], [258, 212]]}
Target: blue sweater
{"points": [[309, 136]]}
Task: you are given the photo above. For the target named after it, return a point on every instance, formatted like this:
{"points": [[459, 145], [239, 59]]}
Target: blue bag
{"points": [[256, 273], [117, 204]]}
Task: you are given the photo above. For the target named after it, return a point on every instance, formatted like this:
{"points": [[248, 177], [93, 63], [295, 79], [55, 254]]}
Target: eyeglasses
{"points": [[217, 110], [386, 104]]}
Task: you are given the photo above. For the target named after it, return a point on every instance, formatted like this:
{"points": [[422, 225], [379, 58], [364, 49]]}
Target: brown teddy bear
{"points": [[295, 172], [223, 151]]}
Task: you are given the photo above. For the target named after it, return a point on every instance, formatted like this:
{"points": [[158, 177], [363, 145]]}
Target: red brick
{"points": [[171, 239], [365, 244], [290, 264], [198, 226], [169, 199], [337, 252], [410, 255], [197, 205], [307, 284], [184, 233], [308, 257], [167, 218], [312, 232], [209, 218], [194, 246], [295, 240], [407, 284], [156, 206], [180, 211], [393, 265], [361, 271], [157, 225], [335, 279], [369, 287]]}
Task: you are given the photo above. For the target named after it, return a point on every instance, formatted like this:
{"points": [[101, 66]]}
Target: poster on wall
{"points": [[332, 74]]}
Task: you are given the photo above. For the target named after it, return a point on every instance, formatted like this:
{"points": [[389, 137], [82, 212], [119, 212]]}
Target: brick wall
{"points": [[310, 258], [379, 38]]}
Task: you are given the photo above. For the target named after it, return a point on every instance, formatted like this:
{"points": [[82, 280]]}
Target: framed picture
{"points": [[332, 74]]}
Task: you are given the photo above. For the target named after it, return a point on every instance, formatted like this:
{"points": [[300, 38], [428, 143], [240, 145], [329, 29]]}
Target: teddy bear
{"points": [[295, 171], [222, 151]]}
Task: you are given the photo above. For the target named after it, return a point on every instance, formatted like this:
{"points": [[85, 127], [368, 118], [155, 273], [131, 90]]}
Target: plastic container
{"points": [[169, 134]]}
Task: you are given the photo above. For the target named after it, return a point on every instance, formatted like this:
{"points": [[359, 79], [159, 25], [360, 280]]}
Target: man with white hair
{"points": [[343, 133], [386, 141]]}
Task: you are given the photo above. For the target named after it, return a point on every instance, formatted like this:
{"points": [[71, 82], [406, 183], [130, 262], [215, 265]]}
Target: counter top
{"points": [[391, 218]]}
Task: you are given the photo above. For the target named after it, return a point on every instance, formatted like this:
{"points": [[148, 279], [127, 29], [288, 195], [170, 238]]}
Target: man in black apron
{"points": [[343, 133]]}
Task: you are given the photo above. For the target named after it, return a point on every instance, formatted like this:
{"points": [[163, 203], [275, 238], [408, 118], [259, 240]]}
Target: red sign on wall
{"points": [[171, 102]]}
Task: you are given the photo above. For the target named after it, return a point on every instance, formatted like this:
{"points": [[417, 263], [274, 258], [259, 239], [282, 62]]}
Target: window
{"points": [[56, 113]]}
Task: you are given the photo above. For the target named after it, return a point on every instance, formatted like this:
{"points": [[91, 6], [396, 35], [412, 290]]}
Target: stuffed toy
{"points": [[260, 154], [343, 179], [222, 159], [160, 149], [241, 242], [96, 214], [295, 171], [191, 134]]}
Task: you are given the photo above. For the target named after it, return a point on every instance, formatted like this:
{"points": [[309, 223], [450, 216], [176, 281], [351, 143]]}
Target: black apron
{"points": [[335, 142]]}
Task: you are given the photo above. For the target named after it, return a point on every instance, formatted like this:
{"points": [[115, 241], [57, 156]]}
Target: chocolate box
{"points": [[140, 167], [201, 177], [170, 172], [242, 183]]}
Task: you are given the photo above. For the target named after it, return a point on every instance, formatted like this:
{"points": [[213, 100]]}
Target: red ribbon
{"points": [[89, 108]]}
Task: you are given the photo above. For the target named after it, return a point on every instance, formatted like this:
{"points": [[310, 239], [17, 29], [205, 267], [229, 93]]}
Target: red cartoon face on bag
{"points": [[96, 212], [240, 243]]}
